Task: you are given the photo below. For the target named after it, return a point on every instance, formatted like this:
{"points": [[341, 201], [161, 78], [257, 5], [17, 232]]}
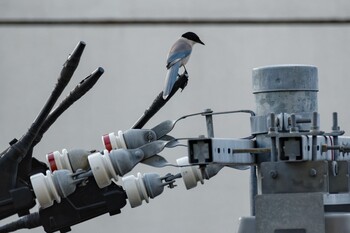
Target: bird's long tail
{"points": [[170, 79]]}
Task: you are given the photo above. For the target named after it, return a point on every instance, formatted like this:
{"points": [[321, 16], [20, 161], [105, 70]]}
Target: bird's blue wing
{"points": [[170, 79], [176, 57]]}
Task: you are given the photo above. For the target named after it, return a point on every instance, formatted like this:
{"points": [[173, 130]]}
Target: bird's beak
{"points": [[201, 42]]}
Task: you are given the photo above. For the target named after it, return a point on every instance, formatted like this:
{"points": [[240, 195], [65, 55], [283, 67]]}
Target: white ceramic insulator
{"points": [[102, 169], [44, 189], [58, 161], [135, 190], [190, 174], [120, 141], [112, 141]]}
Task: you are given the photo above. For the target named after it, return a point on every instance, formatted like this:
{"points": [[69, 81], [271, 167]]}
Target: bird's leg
{"points": [[185, 72], [185, 78]]}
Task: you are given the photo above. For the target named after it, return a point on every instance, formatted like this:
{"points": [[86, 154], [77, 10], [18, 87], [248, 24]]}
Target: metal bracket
{"points": [[221, 151], [294, 177]]}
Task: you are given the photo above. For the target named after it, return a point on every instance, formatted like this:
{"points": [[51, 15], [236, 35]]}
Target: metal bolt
{"points": [[314, 125], [293, 123], [272, 122], [312, 172], [209, 122], [273, 174], [335, 126], [208, 110]]}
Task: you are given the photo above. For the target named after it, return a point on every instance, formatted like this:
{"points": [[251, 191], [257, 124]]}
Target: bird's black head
{"points": [[192, 36]]}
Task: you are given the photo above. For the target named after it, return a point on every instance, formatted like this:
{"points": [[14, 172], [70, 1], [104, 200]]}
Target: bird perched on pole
{"points": [[178, 56]]}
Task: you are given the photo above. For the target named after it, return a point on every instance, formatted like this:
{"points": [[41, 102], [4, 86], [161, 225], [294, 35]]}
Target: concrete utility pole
{"points": [[303, 182]]}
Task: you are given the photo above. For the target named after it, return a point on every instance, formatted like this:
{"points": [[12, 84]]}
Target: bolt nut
{"points": [[312, 172], [149, 137], [273, 174]]}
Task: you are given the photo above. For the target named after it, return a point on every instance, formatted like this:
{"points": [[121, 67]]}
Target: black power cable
{"points": [[159, 102], [26, 166], [16, 198], [27, 222]]}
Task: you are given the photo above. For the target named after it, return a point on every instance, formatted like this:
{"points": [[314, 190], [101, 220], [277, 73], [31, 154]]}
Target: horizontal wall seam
{"points": [[149, 21]]}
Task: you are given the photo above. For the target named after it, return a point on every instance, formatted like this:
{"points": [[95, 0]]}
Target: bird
{"points": [[178, 56]]}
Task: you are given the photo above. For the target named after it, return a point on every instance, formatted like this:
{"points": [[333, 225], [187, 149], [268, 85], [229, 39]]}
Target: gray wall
{"points": [[133, 57]]}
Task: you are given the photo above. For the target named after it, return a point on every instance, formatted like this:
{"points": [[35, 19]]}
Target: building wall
{"points": [[133, 56]]}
